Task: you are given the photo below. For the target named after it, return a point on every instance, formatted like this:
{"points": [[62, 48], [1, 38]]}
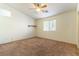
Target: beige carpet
{"points": [[37, 47]]}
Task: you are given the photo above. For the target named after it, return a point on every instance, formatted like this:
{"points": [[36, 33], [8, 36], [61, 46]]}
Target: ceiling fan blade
{"points": [[37, 5], [45, 11], [44, 6]]}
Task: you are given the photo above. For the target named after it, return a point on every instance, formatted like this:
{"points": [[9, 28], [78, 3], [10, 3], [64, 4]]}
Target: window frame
{"points": [[51, 25]]}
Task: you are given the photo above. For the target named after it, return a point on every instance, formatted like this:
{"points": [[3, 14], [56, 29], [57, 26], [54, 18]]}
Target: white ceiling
{"points": [[53, 9]]}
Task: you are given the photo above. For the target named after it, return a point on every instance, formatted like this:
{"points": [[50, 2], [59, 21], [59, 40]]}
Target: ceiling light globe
{"points": [[38, 9]]}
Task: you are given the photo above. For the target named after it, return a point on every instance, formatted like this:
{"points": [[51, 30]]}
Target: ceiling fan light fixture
{"points": [[38, 9], [39, 6]]}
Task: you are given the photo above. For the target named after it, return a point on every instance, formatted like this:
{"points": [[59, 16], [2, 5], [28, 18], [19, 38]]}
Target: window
{"points": [[49, 25], [4, 12]]}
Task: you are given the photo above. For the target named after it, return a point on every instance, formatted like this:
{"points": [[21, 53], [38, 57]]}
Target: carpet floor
{"points": [[38, 47]]}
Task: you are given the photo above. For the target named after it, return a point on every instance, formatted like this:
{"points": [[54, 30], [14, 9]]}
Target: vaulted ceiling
{"points": [[53, 9]]}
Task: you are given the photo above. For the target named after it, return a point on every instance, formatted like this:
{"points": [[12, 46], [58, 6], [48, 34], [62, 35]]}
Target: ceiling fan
{"points": [[40, 7]]}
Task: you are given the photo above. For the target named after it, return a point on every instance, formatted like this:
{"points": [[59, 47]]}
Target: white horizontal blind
{"points": [[49, 25]]}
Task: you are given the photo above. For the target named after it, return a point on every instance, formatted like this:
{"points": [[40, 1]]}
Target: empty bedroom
{"points": [[39, 29]]}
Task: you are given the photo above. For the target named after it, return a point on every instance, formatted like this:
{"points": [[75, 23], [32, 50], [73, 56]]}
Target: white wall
{"points": [[66, 27], [15, 27]]}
